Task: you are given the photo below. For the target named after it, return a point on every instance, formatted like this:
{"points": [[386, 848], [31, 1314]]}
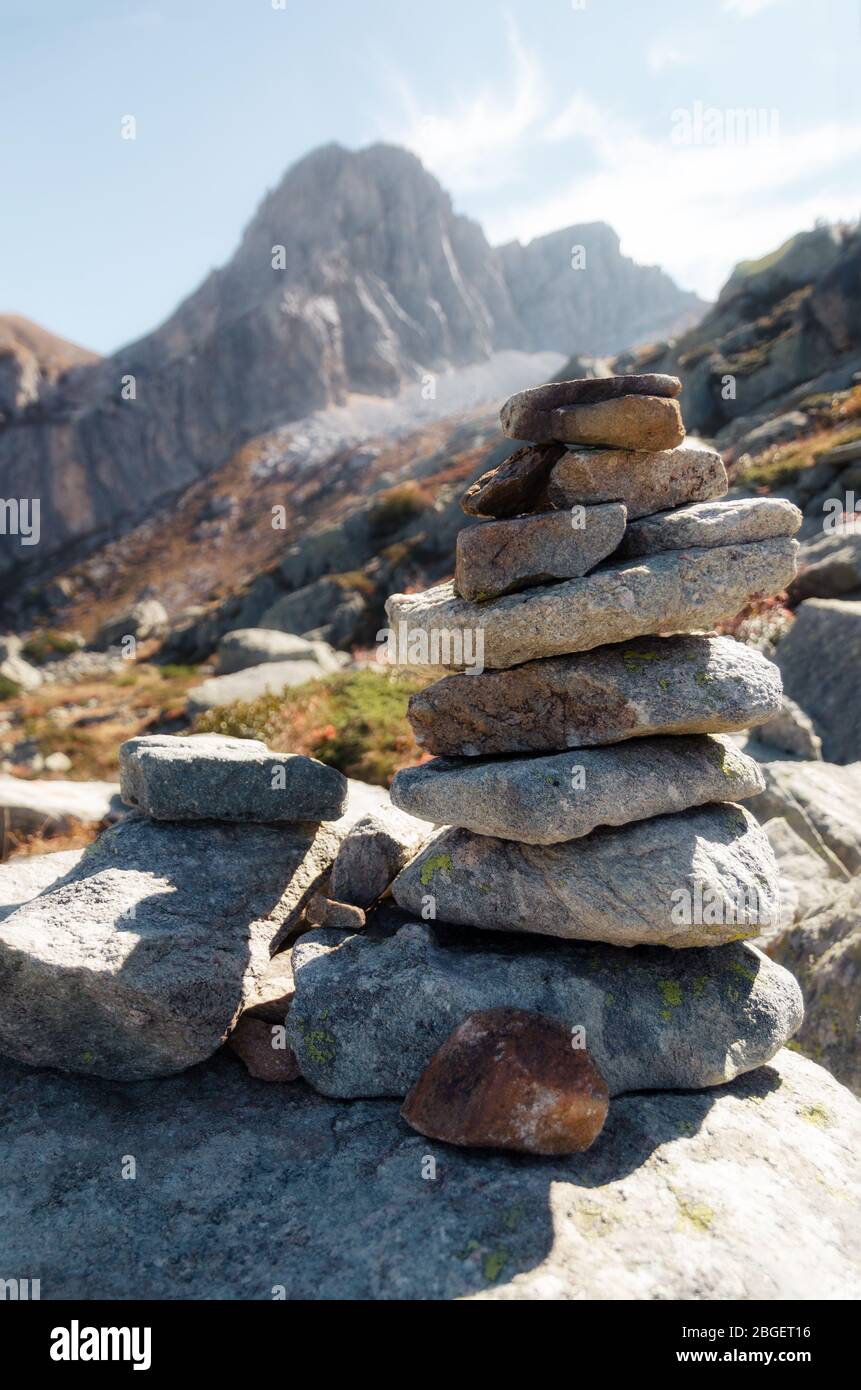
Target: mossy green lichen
{"points": [[696, 1215], [671, 993], [744, 970], [815, 1115], [319, 1044], [436, 863]]}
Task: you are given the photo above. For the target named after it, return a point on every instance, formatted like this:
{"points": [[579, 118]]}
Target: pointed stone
{"points": [[542, 801], [646, 482], [712, 523], [524, 415], [515, 486], [672, 592], [502, 557]]}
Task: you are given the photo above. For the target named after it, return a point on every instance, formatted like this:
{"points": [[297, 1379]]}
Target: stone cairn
{"points": [[583, 790]]}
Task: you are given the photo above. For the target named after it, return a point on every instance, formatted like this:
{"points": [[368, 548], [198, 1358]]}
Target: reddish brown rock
{"points": [[264, 1050], [523, 415], [516, 485], [510, 1079], [327, 912]]}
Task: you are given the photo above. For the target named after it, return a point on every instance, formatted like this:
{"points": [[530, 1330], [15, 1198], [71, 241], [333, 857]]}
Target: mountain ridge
{"points": [[378, 281]]}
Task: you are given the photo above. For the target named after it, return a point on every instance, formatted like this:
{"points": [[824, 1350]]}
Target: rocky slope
{"points": [[784, 329], [354, 275]]}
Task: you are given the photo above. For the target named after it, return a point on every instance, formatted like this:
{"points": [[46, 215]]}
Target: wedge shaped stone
{"points": [[542, 801], [501, 557], [515, 486], [369, 1014]]}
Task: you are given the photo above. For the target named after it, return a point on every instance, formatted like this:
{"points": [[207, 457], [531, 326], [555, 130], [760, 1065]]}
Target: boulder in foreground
{"points": [[369, 1013], [138, 962], [745, 1191], [510, 1079]]}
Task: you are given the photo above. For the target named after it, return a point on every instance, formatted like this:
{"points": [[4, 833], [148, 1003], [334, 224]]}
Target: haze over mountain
{"points": [[378, 282]]}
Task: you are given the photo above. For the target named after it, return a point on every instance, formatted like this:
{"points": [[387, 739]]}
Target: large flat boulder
{"points": [[646, 482], [138, 962], [745, 1191], [672, 592], [669, 685], [32, 804], [698, 878], [211, 777], [368, 1014], [819, 659], [544, 800]]}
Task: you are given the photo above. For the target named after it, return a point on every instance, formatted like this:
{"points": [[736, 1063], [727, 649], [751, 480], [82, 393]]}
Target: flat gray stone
{"points": [[374, 852], [270, 678], [712, 523], [655, 882], [819, 659], [499, 557], [33, 804], [829, 565], [542, 801], [525, 415], [678, 1199], [23, 879], [212, 777], [255, 646], [138, 962], [369, 1014], [671, 685], [672, 592], [645, 482], [822, 803], [791, 731]]}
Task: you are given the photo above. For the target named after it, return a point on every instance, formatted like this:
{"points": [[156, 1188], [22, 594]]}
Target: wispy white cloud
{"points": [[694, 209], [471, 144]]}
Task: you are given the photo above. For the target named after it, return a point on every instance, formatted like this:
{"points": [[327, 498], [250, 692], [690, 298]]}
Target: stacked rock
{"points": [[581, 783]]}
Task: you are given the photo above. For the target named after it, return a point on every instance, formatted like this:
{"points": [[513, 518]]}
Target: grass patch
{"points": [[396, 508], [354, 720], [8, 689], [47, 646]]}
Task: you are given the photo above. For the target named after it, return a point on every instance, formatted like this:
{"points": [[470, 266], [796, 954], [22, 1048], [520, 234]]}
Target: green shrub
{"points": [[8, 689], [396, 508]]}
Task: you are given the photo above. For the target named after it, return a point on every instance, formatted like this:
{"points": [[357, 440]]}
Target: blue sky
{"points": [[533, 113]]}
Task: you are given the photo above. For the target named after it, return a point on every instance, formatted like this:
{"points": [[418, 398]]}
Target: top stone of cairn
{"points": [[626, 412]]}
